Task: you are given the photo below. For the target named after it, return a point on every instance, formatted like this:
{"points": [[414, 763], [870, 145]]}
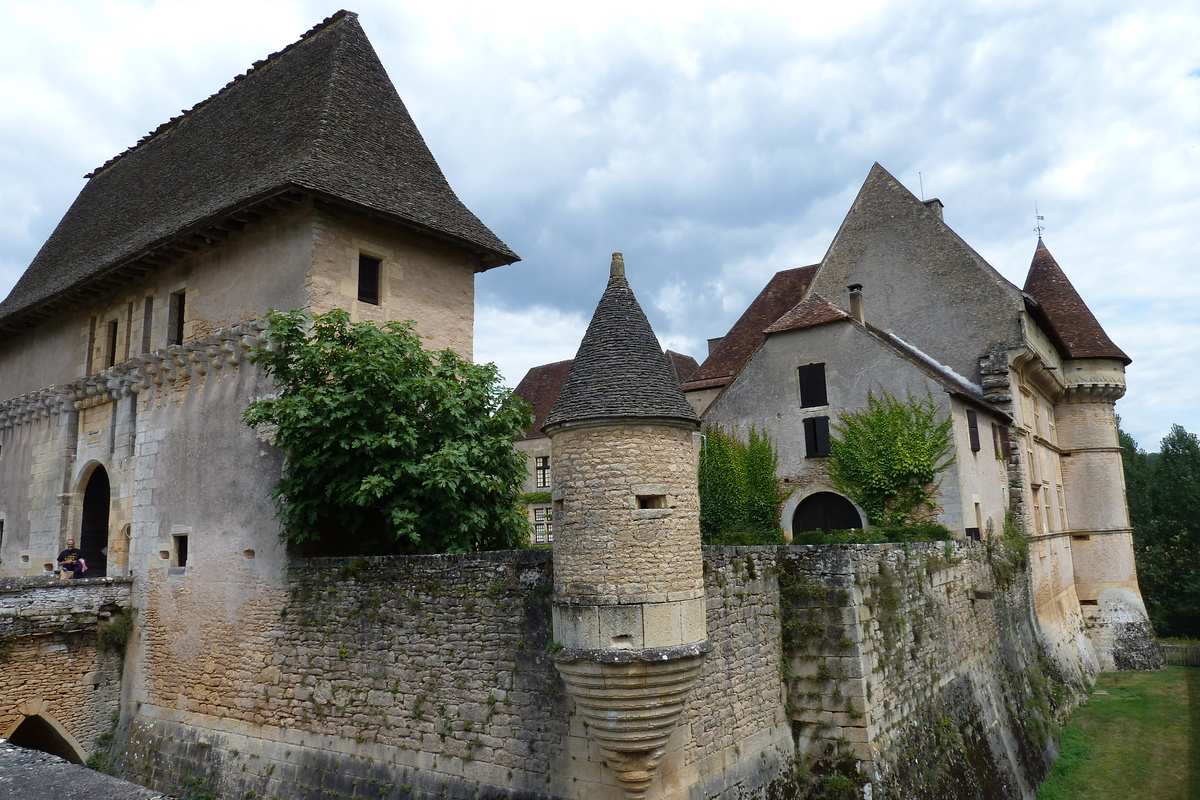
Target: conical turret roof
{"points": [[620, 369], [320, 117], [1071, 321]]}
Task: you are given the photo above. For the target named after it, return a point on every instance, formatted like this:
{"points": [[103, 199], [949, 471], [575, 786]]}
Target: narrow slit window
{"points": [[148, 325], [113, 331], [368, 279], [973, 429], [179, 550], [816, 437], [812, 386], [175, 317]]}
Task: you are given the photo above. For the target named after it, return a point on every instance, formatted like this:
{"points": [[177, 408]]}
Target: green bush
{"points": [[739, 494], [928, 532]]}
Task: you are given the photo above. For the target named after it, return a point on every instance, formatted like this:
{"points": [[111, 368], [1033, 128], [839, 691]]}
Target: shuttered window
{"points": [[812, 386], [816, 437], [973, 429]]}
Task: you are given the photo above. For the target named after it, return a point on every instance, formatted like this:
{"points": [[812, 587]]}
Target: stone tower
{"points": [[1093, 480], [629, 606]]}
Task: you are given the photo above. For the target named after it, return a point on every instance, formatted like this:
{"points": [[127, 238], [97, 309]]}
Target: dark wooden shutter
{"points": [[812, 386], [816, 437], [973, 429]]}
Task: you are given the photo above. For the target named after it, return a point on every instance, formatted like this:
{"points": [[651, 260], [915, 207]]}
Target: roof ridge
{"points": [[255, 68]]}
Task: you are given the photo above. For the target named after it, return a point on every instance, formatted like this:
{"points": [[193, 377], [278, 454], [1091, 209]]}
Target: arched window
{"points": [[825, 511]]}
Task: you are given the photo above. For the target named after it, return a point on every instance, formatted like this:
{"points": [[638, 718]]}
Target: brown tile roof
{"points": [[620, 369], [682, 365], [540, 388], [1071, 322], [320, 118], [808, 313], [781, 294]]}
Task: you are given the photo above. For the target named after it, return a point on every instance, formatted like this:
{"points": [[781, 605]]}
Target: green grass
{"points": [[1141, 741]]}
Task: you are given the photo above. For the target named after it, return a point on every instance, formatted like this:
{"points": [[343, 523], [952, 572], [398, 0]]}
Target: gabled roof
{"points": [[808, 313], [682, 365], [782, 293], [1071, 322], [320, 117], [540, 388], [620, 369]]}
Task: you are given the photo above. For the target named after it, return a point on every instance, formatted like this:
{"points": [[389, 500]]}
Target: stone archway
{"points": [[45, 733], [93, 528], [825, 511]]}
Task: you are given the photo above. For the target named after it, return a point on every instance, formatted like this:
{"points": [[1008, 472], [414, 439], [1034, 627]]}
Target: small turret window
{"points": [[651, 501]]}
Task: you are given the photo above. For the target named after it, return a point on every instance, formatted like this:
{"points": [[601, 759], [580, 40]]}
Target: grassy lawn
{"points": [[1141, 741]]}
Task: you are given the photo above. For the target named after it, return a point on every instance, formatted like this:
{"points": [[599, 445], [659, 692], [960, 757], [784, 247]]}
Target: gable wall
{"points": [[920, 280], [766, 394]]}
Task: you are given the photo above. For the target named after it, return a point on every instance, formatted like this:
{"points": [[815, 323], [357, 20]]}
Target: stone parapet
{"points": [[49, 606]]}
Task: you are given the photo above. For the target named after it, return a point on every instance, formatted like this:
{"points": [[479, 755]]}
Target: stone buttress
{"points": [[629, 608]]}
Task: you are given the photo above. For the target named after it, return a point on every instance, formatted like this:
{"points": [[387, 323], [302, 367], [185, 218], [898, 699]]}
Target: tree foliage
{"points": [[739, 494], [1164, 508], [886, 458], [388, 445]]}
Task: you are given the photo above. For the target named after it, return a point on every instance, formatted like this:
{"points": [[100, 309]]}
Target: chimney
{"points": [[856, 302], [936, 207], [714, 343]]}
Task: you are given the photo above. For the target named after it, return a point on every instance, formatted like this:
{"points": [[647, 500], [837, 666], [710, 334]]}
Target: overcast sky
{"points": [[713, 144]]}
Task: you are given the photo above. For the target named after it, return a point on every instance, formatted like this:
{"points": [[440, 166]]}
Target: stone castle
{"points": [[627, 662]]}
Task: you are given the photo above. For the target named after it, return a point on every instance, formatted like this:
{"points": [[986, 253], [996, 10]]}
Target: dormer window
{"points": [[368, 279]]}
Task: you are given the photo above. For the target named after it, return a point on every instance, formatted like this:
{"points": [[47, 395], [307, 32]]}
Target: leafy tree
{"points": [[739, 494], [388, 445], [886, 458], [1164, 508]]}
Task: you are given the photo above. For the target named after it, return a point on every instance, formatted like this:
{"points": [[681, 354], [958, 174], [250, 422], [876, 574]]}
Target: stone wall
{"points": [[917, 669], [50, 663]]}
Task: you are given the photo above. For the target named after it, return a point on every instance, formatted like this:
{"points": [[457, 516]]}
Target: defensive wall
{"points": [[918, 669]]}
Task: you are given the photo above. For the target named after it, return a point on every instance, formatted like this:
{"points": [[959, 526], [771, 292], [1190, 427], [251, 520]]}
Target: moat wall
{"points": [[430, 676]]}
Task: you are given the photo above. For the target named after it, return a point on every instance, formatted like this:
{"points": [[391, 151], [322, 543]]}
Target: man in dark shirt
{"points": [[69, 560]]}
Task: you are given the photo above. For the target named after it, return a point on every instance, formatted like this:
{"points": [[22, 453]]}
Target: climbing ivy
{"points": [[739, 494], [388, 445], [886, 458]]}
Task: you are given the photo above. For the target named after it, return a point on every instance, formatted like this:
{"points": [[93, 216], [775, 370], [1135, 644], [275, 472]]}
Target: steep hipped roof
{"points": [[320, 116], [811, 311], [540, 388], [620, 369], [1071, 321], [782, 293]]}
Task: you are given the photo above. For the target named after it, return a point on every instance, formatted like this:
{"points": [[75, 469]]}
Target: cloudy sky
{"points": [[712, 143]]}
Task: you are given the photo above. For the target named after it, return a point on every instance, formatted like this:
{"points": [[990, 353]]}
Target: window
{"points": [[816, 437], [368, 279], [651, 501], [175, 316], [973, 429], [812, 386], [179, 547], [148, 325], [111, 358], [541, 472], [543, 526]]}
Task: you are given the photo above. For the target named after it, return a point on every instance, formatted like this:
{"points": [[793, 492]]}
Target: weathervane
{"points": [[1039, 227]]}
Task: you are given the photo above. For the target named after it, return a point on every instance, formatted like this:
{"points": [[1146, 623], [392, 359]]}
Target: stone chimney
{"points": [[856, 303], [629, 609], [936, 207]]}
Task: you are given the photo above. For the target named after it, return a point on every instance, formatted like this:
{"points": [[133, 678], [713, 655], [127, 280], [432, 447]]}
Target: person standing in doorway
{"points": [[70, 560]]}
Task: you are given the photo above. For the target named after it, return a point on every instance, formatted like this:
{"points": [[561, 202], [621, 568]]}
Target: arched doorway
{"points": [[93, 531], [826, 511], [41, 733]]}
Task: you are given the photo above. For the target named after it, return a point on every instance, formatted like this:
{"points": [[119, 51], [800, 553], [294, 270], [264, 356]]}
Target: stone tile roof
{"points": [[620, 369], [781, 294], [320, 117], [811, 311], [540, 388], [1071, 322]]}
